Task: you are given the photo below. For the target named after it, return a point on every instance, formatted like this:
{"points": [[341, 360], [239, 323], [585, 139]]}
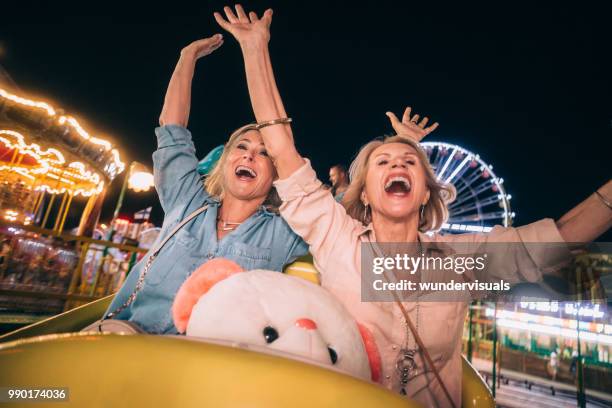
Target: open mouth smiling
{"points": [[398, 186], [245, 173]]}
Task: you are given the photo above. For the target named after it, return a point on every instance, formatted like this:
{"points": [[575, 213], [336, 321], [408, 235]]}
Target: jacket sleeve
{"points": [[520, 254], [313, 214], [175, 167]]}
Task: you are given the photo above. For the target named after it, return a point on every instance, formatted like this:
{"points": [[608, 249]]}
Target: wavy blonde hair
{"points": [[441, 194], [215, 183]]}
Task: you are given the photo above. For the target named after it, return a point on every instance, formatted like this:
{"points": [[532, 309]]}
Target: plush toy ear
{"points": [[372, 351], [200, 282]]}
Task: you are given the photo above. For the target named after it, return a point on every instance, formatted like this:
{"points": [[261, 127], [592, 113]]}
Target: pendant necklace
{"points": [[406, 363], [228, 226]]}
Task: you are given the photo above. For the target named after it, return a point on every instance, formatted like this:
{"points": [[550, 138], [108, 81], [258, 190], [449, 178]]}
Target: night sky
{"points": [[527, 87]]}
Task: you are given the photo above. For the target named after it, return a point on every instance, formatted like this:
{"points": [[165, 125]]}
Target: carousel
{"points": [[46, 159], [52, 167]]}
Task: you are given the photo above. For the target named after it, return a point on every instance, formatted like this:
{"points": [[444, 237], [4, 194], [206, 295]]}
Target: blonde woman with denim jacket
{"points": [[241, 222]]}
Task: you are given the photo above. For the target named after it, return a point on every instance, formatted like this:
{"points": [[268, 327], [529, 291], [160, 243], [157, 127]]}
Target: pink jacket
{"points": [[335, 241]]}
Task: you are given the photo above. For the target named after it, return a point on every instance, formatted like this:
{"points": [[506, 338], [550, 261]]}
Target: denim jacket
{"points": [[263, 241]]}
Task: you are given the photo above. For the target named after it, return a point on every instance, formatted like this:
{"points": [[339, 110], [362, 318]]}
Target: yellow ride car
{"points": [[113, 370]]}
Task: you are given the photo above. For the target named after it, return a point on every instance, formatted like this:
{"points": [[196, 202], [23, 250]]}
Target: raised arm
{"points": [[178, 96], [253, 35], [589, 219], [310, 210], [175, 162]]}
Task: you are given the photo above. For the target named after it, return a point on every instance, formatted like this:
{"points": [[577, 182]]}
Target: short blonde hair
{"points": [[440, 194], [214, 182]]}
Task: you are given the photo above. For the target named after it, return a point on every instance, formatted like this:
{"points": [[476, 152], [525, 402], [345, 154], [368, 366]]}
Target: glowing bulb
{"points": [[140, 181]]}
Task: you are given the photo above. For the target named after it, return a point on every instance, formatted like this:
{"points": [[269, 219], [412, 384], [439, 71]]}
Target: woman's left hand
{"points": [[247, 30], [410, 126]]}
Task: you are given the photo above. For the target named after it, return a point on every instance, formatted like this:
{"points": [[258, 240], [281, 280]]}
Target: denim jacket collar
{"points": [[214, 201]]}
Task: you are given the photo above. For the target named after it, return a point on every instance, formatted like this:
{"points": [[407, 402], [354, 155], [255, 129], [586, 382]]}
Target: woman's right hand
{"points": [[203, 47], [178, 96], [410, 126], [246, 29]]}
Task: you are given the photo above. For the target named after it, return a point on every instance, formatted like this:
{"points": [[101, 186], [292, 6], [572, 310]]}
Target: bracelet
{"points": [[603, 200], [281, 121]]}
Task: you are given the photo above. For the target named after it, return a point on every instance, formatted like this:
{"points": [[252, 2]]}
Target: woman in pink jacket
{"points": [[393, 197]]}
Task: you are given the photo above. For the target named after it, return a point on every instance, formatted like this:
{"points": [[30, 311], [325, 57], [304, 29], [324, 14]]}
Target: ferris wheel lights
{"points": [[457, 170], [509, 197], [479, 190], [512, 214], [466, 228]]}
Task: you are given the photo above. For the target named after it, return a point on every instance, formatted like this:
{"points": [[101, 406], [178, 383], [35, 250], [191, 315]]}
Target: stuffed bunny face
{"points": [[283, 313]]}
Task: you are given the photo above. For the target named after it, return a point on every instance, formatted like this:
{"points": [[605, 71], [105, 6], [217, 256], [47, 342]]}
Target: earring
{"points": [[365, 213]]}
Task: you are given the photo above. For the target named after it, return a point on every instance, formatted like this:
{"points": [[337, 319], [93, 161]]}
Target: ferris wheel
{"points": [[482, 201]]}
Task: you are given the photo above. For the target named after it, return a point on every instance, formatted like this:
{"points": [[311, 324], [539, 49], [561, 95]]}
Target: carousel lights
{"points": [[49, 160], [76, 126], [32, 149], [75, 191], [83, 174], [119, 166], [20, 170], [62, 179], [27, 102], [10, 215], [85, 192], [91, 178]]}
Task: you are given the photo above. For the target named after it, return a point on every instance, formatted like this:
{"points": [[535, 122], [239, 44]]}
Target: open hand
{"points": [[410, 126], [203, 47], [246, 29]]}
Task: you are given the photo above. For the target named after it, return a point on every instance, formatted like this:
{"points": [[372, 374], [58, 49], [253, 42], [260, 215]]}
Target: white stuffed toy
{"points": [[263, 308]]}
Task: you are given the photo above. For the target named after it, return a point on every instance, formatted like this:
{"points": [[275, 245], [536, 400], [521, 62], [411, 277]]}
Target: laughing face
{"points": [[248, 172], [395, 184]]}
